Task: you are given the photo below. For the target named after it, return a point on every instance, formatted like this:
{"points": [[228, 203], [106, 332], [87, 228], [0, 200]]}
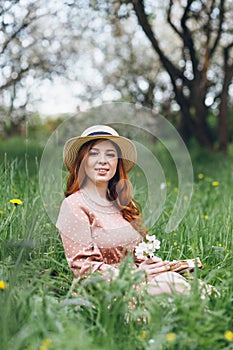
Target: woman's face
{"points": [[101, 162]]}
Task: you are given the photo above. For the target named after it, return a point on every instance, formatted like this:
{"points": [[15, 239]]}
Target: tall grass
{"points": [[43, 307]]}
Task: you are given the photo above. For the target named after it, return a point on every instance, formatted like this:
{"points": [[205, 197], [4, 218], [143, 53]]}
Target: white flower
{"points": [[162, 186], [147, 247], [156, 244], [140, 250], [150, 238]]}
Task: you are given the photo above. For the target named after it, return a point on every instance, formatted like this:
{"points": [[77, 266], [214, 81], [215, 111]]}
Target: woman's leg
{"points": [[168, 283]]}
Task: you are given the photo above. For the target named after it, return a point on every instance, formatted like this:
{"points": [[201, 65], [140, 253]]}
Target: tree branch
{"points": [[25, 23], [13, 35], [219, 33], [172, 70], [169, 20], [14, 80], [187, 38]]}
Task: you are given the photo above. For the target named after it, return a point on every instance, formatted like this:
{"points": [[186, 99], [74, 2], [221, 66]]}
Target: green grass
{"points": [[43, 307]]}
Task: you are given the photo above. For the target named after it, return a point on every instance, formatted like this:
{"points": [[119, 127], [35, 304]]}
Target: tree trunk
{"points": [[223, 132], [186, 123]]}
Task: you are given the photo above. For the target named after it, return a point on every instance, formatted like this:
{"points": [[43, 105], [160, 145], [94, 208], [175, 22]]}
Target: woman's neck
{"points": [[97, 192]]}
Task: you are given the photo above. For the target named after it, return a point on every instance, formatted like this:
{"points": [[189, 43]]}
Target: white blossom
{"points": [[162, 186], [147, 247]]}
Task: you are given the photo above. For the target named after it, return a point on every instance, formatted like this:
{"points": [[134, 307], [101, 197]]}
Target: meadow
{"points": [[42, 307]]}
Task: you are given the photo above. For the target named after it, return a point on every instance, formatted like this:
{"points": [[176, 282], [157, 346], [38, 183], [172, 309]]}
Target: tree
{"points": [[175, 55], [39, 40], [200, 68]]}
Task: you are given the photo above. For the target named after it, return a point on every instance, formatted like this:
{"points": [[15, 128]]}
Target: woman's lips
{"points": [[102, 170]]}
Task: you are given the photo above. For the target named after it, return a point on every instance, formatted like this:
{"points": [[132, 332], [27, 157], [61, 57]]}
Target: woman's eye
{"points": [[111, 155], [92, 153]]}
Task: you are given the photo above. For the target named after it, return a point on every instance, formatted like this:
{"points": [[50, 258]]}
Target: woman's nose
{"points": [[102, 158]]}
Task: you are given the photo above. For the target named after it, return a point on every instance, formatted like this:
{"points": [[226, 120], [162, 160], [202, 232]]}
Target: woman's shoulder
{"points": [[74, 199]]}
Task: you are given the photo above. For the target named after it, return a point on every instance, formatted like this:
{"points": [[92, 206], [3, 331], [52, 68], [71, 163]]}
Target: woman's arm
{"points": [[82, 253]]}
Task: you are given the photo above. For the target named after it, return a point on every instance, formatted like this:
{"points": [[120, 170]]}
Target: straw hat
{"points": [[127, 147]]}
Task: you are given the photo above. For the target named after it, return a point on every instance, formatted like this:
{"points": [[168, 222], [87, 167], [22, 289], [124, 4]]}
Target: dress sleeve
{"points": [[82, 254]]}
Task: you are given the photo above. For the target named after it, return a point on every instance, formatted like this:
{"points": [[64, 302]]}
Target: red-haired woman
{"points": [[99, 222]]}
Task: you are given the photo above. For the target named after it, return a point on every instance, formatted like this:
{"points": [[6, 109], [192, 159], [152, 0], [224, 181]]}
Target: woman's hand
{"points": [[154, 266]]}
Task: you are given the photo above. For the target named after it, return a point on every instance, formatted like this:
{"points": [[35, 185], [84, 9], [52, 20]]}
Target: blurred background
{"points": [[61, 57]]}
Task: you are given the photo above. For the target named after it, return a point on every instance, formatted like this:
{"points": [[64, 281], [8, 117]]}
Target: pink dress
{"points": [[96, 238]]}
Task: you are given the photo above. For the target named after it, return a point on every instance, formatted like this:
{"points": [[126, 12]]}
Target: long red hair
{"points": [[119, 187]]}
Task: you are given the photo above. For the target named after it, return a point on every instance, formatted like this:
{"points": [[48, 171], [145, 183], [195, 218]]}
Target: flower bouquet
{"points": [[148, 247]]}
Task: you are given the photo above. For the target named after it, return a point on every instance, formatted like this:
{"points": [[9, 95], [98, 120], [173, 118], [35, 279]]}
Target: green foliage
{"points": [[43, 307]]}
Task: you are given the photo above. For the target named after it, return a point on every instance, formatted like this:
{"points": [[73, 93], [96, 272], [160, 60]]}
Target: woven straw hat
{"points": [[127, 147]]}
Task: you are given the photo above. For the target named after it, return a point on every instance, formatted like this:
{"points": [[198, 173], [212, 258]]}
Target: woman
{"points": [[99, 222]]}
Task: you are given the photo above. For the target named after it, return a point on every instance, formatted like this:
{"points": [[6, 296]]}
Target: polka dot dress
{"points": [[95, 236]]}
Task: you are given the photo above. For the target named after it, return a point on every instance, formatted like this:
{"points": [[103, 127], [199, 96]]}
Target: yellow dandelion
{"points": [[43, 347], [168, 184], [175, 243], [2, 285], [205, 217], [228, 335], [142, 335], [219, 244], [47, 341], [1, 212], [175, 189], [215, 183], [16, 201], [200, 176], [170, 337], [186, 198]]}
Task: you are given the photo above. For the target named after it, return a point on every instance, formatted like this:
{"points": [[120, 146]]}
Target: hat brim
{"points": [[127, 147]]}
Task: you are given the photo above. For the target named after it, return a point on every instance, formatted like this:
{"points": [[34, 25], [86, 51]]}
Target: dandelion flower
{"points": [[16, 201], [2, 285], [200, 176], [175, 190], [170, 337], [43, 347], [228, 335], [142, 335], [175, 243], [215, 183], [47, 341], [205, 217], [1, 212], [186, 198]]}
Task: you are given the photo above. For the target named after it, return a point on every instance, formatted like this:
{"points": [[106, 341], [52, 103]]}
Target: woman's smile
{"points": [[101, 162], [102, 170]]}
